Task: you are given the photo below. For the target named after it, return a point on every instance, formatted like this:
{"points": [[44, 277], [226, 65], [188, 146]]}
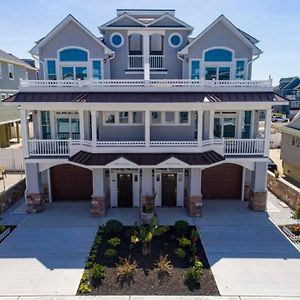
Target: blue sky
{"points": [[275, 23]]}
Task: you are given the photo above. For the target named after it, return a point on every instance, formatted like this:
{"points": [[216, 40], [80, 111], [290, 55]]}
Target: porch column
{"points": [[35, 201], [147, 128], [211, 124], [199, 127], [240, 124], [194, 204], [18, 132], [81, 124], [258, 189], [146, 56], [268, 124], [94, 128], [147, 185], [99, 204], [52, 125], [25, 133]]}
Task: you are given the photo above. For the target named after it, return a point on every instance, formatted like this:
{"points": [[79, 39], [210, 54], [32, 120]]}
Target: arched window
{"points": [[218, 55], [73, 54]]}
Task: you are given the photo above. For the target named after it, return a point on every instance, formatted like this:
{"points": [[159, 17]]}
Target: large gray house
{"points": [[146, 112]]}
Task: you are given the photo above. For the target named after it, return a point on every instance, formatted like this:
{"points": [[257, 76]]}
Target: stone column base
{"points": [[194, 206], [35, 203], [99, 206], [258, 200], [247, 193]]}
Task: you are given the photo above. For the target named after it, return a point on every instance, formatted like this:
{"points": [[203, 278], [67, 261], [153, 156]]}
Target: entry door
{"points": [[125, 194], [168, 189]]}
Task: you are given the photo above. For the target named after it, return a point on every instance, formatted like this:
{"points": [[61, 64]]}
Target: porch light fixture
{"points": [[106, 173], [186, 172]]}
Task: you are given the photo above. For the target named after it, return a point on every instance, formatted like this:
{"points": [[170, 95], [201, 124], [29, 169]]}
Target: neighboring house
{"points": [[146, 111], [12, 69], [290, 89], [290, 148]]}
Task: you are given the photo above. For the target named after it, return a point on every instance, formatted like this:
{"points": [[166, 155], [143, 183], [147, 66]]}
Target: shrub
{"points": [[2, 228], [164, 265], [295, 229], [114, 242], [193, 249], [183, 242], [113, 227], [110, 253], [179, 252], [296, 214], [194, 273], [181, 227], [85, 286], [99, 272], [126, 270], [194, 236]]}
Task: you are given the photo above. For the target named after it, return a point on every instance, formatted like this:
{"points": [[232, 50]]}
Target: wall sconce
{"points": [[105, 60], [187, 59], [106, 173], [186, 172]]}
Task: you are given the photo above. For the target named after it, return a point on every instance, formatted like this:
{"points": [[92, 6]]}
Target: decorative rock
{"points": [[99, 206], [194, 206], [35, 203]]}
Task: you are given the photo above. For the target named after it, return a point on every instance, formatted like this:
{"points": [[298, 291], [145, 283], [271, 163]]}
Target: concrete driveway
{"points": [[45, 254], [248, 254]]}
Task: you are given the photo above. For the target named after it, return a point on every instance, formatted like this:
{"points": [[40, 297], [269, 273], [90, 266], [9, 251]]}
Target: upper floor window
{"points": [[73, 54], [195, 69], [51, 68], [156, 44], [295, 104], [240, 69], [225, 125], [97, 72], [123, 118], [296, 141], [11, 74], [170, 118], [218, 55], [135, 44], [116, 39], [175, 40]]}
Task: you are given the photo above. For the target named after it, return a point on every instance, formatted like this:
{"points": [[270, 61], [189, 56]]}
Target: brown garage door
{"points": [[69, 182], [222, 182]]}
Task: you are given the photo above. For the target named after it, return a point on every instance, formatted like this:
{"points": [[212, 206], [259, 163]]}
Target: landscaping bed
{"points": [[5, 231], [292, 232], [176, 264]]}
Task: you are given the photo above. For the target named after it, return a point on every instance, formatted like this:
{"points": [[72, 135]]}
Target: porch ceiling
{"points": [[146, 159]]}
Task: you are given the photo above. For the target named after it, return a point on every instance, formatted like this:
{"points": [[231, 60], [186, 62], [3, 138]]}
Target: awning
{"points": [[146, 159], [143, 97]]}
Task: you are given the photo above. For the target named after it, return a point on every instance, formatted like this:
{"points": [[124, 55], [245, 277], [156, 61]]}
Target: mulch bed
{"points": [[147, 281], [7, 227]]}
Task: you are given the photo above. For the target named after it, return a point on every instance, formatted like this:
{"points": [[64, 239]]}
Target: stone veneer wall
{"points": [[285, 191], [9, 197], [194, 206]]}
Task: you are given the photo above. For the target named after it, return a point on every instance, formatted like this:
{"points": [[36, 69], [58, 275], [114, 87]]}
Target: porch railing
{"points": [[244, 146], [157, 61], [48, 147], [135, 62]]}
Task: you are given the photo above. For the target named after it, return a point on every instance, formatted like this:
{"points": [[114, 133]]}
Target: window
{"points": [[247, 125], [45, 124], [67, 127], [97, 69], [3, 96], [296, 141], [170, 117], [51, 69], [116, 39], [135, 44], [240, 69], [225, 125], [175, 40], [70, 73], [224, 73], [295, 104], [0, 69], [73, 55], [109, 118], [123, 118], [217, 73], [156, 44], [195, 69], [156, 117], [11, 74], [137, 117], [183, 117], [218, 55]]}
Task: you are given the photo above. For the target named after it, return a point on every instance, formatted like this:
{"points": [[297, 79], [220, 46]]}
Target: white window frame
{"points": [[190, 67], [170, 37], [10, 68], [245, 68], [111, 38], [221, 116], [91, 68], [46, 68], [176, 123], [117, 123]]}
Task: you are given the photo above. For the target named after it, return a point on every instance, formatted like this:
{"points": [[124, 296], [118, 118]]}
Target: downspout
{"points": [[109, 59], [41, 62], [182, 59], [252, 60]]}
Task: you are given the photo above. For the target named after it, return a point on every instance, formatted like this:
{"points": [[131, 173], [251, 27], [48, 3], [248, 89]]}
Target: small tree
{"points": [[296, 214]]}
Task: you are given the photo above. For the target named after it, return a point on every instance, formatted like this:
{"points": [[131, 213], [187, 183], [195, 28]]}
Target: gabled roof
{"points": [[249, 37], [121, 17], [59, 27], [9, 58], [232, 28], [170, 17], [290, 84]]}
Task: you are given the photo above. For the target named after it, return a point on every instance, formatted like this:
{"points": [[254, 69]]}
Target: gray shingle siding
{"points": [[8, 84]]}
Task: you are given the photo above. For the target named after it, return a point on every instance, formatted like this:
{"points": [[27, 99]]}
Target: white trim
{"points": [[175, 34], [117, 123], [190, 67], [222, 115], [111, 39], [59, 27], [231, 27], [11, 66], [118, 18], [176, 122], [72, 47], [216, 48]]}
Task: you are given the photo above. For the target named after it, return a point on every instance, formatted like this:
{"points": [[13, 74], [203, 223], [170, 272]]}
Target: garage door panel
{"points": [[222, 182], [70, 182]]}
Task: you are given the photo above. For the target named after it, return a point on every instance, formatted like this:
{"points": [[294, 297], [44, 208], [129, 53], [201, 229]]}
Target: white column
{"points": [[147, 182], [268, 130], [199, 127], [52, 125], [33, 178], [81, 124], [240, 124], [146, 56], [147, 128], [98, 182], [94, 128], [49, 185], [211, 124], [25, 133], [195, 182]]}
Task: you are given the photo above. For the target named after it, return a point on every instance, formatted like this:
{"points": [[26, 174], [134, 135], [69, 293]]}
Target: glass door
{"points": [[67, 128]]}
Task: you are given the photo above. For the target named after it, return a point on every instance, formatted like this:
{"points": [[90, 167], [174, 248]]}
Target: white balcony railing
{"points": [[199, 85], [135, 62], [244, 146], [229, 146], [157, 61]]}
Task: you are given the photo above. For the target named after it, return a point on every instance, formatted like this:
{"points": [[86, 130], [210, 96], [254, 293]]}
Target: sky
{"points": [[275, 23]]}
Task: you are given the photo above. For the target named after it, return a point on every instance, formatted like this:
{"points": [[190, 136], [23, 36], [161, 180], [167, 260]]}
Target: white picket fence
{"points": [[12, 159]]}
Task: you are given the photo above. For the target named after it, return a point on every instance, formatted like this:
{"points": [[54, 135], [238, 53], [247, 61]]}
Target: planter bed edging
{"points": [[290, 235], [4, 234]]}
